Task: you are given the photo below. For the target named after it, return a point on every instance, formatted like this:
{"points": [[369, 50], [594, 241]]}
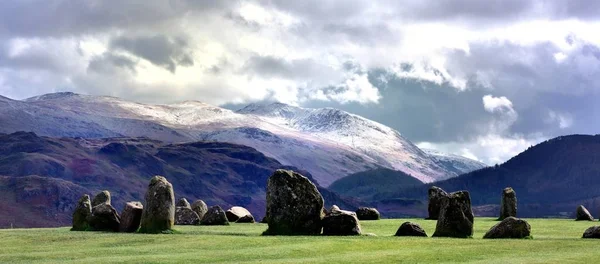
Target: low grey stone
{"points": [[410, 229], [510, 227]]}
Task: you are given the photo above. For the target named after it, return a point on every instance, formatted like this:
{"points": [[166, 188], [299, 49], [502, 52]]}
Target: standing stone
{"points": [[82, 213], [239, 214], [102, 197], [186, 216], [410, 229], [183, 203], [508, 204], [510, 227], [456, 217], [131, 217], [341, 223], [159, 211], [294, 205], [215, 216], [200, 208], [436, 194], [592, 232], [367, 213], [104, 218], [583, 214]]}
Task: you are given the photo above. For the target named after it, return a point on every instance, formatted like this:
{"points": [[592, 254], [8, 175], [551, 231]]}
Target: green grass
{"points": [[555, 241]]}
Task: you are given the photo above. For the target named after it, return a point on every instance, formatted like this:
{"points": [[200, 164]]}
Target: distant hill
{"points": [[366, 184], [43, 177], [550, 179]]}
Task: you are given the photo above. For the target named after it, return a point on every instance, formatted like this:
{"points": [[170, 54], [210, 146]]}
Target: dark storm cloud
{"points": [[278, 67], [160, 50], [108, 62]]}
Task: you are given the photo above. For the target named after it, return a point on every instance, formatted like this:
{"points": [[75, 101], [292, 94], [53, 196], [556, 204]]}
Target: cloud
{"points": [[497, 104], [160, 50]]}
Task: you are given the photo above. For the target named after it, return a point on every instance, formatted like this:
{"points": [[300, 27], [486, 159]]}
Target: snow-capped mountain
{"points": [[328, 143], [456, 163]]}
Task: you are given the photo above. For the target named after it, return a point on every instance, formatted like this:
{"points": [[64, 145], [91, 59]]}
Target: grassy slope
{"points": [[555, 241]]}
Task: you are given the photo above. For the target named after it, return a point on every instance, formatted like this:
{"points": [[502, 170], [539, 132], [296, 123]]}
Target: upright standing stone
{"points": [[583, 214], [456, 217], [159, 211], [239, 214], [200, 208], [104, 218], [214, 216], [102, 197], [508, 204], [131, 217], [82, 213], [367, 213], [436, 194], [341, 223], [294, 205], [183, 203]]}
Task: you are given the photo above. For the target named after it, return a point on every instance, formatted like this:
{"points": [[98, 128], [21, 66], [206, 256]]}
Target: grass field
{"points": [[554, 241]]}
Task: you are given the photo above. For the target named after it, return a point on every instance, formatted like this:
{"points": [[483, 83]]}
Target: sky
{"points": [[482, 79]]}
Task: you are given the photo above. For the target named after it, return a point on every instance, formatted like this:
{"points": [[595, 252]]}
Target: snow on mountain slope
{"points": [[328, 143], [456, 163]]}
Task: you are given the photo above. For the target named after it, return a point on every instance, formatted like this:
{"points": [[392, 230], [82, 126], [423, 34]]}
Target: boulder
{"points": [[367, 213], [294, 205], [456, 217], [410, 229], [200, 208], [341, 223], [215, 216], [583, 214], [334, 208], [508, 204], [239, 214], [102, 197], [104, 218], [510, 227], [159, 211], [592, 232], [186, 216], [81, 214], [131, 217], [435, 202], [183, 203]]}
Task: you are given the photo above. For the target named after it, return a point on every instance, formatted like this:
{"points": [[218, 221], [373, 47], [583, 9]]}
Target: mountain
{"points": [[366, 184], [43, 177], [455, 163], [329, 143], [550, 179]]}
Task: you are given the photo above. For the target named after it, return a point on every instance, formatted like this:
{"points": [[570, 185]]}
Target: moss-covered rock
{"points": [[436, 194], [367, 213], [131, 217], [159, 211], [104, 218], [508, 203], [82, 213], [100, 198], [410, 229], [294, 205], [510, 227], [456, 217], [215, 216]]}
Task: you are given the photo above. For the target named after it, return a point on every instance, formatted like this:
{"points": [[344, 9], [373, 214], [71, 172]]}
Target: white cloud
{"points": [[563, 120], [497, 104]]}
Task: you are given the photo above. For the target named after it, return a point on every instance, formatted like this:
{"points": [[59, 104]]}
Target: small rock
{"points": [[131, 217], [592, 232], [102, 197], [81, 214], [159, 212], [183, 203], [237, 213], [186, 216], [215, 216], [104, 218], [410, 229], [341, 223], [456, 217], [583, 214], [508, 204], [334, 208], [510, 227], [367, 213], [435, 202], [200, 208]]}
